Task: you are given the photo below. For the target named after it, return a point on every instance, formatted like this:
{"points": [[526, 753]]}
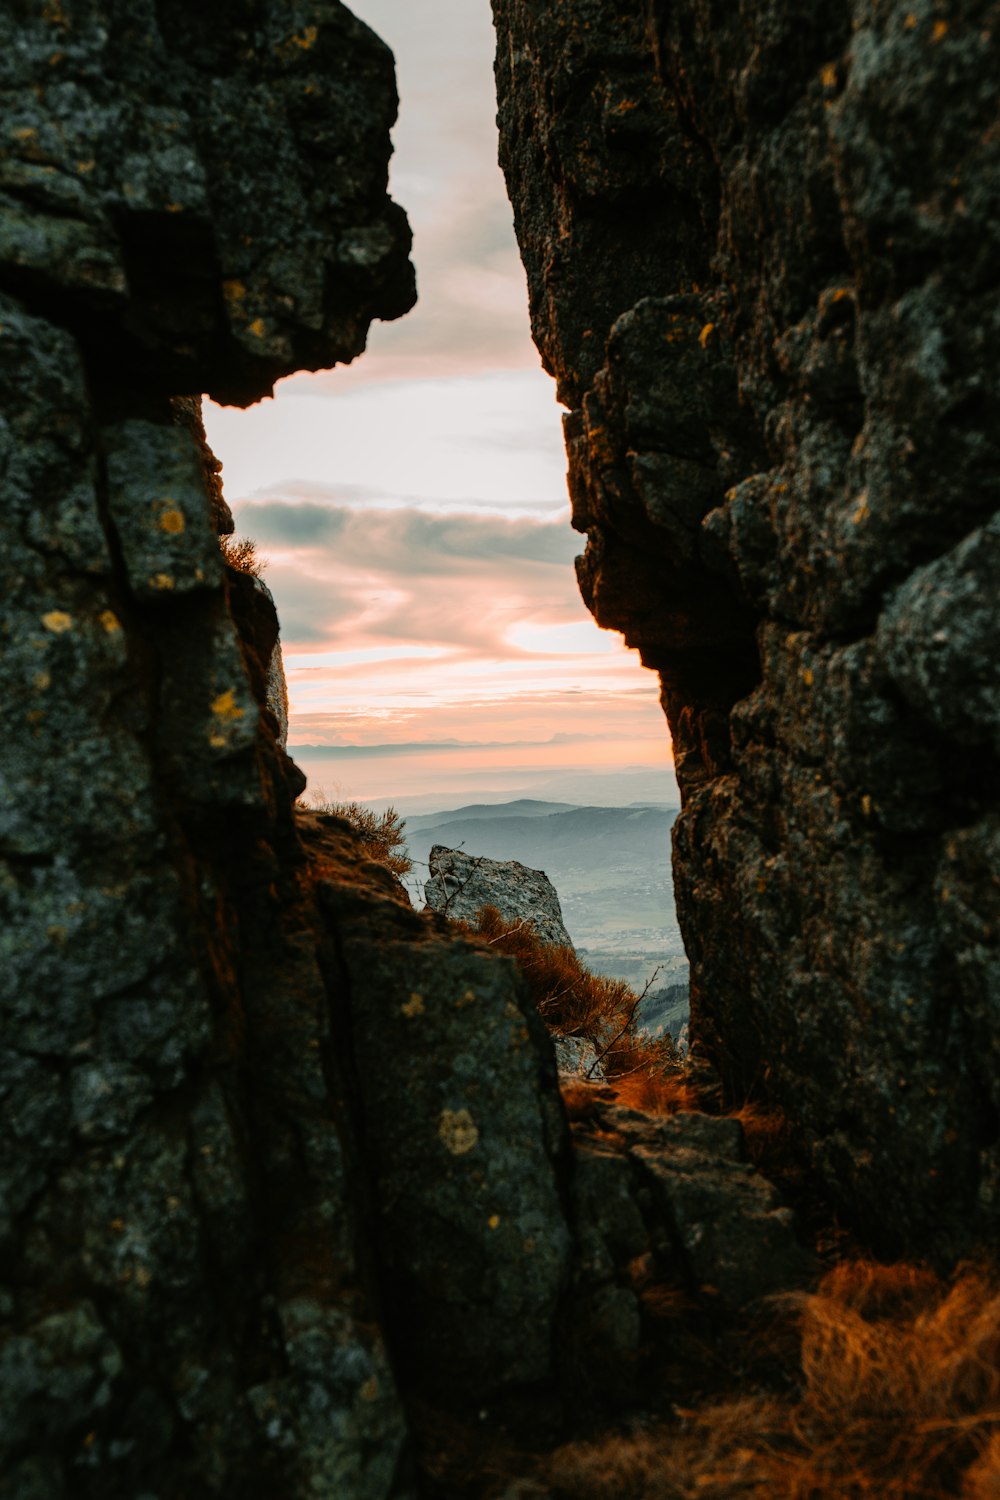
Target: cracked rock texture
{"points": [[280, 1158], [282, 1161], [191, 199], [762, 254]]}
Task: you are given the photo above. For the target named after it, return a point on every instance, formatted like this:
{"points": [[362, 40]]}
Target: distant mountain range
{"points": [[610, 866], [524, 807]]}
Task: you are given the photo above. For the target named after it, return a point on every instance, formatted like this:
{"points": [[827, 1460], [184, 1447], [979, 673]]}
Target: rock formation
{"points": [[283, 1162], [190, 200], [461, 884], [762, 250], [279, 1154]]}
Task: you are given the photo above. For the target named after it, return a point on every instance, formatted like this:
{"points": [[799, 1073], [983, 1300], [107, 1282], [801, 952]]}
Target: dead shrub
{"points": [[240, 552], [382, 833], [574, 1002], [655, 1082], [582, 1096], [899, 1399]]}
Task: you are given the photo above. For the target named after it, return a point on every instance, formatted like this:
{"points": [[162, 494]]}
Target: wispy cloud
{"points": [[348, 579], [413, 505], [396, 540], [427, 747], [495, 439]]}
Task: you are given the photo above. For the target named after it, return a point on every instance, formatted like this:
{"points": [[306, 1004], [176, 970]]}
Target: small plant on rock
{"points": [[644, 1071], [382, 833], [240, 552]]}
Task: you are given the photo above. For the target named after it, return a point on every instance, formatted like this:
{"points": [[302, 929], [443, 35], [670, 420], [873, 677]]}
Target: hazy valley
{"points": [[610, 866]]}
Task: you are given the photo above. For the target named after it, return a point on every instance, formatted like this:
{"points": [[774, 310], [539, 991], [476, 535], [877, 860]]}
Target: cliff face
{"points": [[191, 198], [761, 247]]}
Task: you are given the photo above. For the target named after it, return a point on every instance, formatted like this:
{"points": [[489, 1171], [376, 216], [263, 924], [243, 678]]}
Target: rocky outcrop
{"points": [[761, 248], [669, 1202], [190, 201], [577, 1056], [463, 1137], [204, 206], [461, 884]]}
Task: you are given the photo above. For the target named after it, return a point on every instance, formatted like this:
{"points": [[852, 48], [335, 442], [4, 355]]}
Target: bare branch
{"points": [[631, 1017]]}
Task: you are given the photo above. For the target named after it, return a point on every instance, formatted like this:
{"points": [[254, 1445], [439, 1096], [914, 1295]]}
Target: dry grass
{"points": [[899, 1400], [655, 1083], [240, 552], [574, 1002], [382, 833]]}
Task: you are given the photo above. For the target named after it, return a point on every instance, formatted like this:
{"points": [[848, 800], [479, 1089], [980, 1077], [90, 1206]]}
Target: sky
{"points": [[412, 507]]}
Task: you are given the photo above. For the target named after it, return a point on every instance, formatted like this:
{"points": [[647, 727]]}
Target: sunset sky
{"points": [[412, 506]]}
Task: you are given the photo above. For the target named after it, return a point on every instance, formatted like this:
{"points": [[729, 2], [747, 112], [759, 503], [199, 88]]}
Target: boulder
{"points": [[461, 884], [681, 1186], [577, 1057]]}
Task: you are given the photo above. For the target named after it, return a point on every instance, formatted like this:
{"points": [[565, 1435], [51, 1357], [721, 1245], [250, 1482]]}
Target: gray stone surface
{"points": [[206, 203], [679, 1188], [188, 201], [576, 1056], [762, 246], [737, 1240], [461, 884], [464, 1133]]}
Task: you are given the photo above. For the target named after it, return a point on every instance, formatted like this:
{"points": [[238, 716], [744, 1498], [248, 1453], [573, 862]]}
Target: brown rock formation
{"points": [[761, 246]]}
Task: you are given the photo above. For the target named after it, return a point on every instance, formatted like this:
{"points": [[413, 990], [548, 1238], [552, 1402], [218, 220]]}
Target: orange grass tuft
{"points": [[572, 1001], [900, 1400], [580, 1096], [653, 1089], [383, 834], [240, 552]]}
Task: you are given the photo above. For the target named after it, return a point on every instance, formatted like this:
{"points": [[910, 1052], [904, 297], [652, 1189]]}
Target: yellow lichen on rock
{"points": [[171, 520], [58, 621], [226, 708], [457, 1131]]}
